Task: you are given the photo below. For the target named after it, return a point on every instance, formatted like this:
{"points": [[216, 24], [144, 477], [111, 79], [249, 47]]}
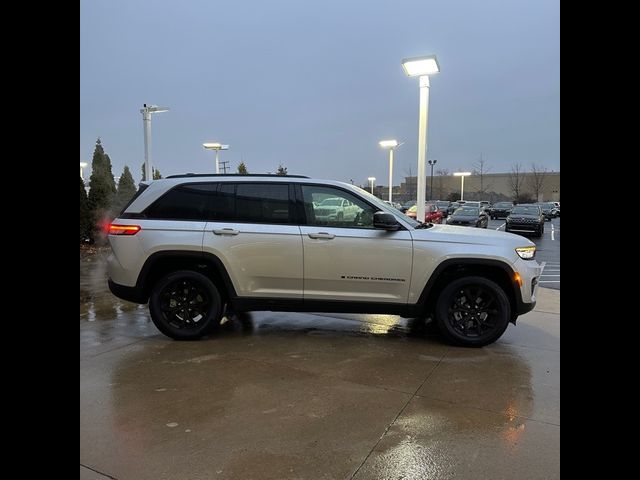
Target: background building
{"points": [[494, 187]]}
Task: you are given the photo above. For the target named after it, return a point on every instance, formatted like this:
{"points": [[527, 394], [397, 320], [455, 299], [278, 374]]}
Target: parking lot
{"points": [[316, 396], [548, 251]]}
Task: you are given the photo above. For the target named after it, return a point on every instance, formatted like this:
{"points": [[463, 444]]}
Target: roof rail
{"points": [[189, 175]]}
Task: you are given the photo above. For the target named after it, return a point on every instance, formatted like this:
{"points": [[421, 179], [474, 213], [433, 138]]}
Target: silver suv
{"points": [[191, 245]]}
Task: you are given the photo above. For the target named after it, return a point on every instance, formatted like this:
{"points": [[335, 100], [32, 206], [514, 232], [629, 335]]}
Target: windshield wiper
{"points": [[424, 225]]}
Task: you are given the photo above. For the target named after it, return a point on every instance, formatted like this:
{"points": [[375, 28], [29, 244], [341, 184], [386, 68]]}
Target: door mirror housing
{"points": [[385, 221]]}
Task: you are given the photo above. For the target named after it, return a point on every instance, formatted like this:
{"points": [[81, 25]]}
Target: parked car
{"points": [[192, 245], [485, 204], [453, 207], [469, 217], [407, 205], [547, 210], [336, 209], [443, 206], [526, 218], [500, 210], [431, 213]]}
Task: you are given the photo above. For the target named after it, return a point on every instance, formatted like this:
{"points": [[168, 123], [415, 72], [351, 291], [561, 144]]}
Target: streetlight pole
{"points": [[372, 180], [432, 163], [422, 67], [391, 145], [146, 121], [217, 147], [461, 175]]}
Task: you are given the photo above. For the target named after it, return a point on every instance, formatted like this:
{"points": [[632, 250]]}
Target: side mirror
{"points": [[385, 221]]}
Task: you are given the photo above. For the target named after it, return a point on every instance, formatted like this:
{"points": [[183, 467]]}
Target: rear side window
{"points": [[263, 203], [184, 202]]}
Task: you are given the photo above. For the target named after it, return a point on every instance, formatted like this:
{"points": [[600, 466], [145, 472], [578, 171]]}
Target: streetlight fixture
{"points": [[146, 121], [83, 165], [461, 175], [422, 67], [391, 145], [431, 163], [372, 180], [217, 147]]}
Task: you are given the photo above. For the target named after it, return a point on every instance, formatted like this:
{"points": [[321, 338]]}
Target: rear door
{"points": [[253, 231]]}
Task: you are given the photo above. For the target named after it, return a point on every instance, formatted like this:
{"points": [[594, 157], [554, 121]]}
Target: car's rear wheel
{"points": [[185, 305], [472, 311]]}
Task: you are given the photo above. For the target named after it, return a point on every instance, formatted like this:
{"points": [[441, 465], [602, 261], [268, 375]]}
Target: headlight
{"points": [[526, 253]]}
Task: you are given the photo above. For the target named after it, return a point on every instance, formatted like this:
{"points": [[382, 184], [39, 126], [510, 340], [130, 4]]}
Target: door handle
{"points": [[325, 235], [226, 231]]}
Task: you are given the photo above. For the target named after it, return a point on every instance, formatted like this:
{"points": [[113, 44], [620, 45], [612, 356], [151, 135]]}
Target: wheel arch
{"points": [[161, 263], [453, 268]]}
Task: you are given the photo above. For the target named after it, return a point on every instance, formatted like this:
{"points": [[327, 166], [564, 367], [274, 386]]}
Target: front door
{"points": [[345, 258]]}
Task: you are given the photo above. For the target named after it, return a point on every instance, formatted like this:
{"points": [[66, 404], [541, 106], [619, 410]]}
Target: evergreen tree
{"points": [[242, 169], [281, 170], [156, 174], [102, 187], [126, 190], [85, 215]]}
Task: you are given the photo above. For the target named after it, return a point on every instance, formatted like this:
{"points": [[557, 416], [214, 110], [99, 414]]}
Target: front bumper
{"points": [[523, 227]]}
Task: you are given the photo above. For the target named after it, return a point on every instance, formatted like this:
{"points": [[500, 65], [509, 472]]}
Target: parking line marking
{"points": [[549, 275], [501, 226], [552, 231], [549, 281]]}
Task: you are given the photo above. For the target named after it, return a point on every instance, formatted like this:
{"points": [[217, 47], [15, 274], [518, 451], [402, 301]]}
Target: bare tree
{"points": [[443, 172], [480, 168], [516, 180], [538, 174]]}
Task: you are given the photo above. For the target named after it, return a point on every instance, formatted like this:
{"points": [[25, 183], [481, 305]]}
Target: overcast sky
{"points": [[315, 85]]}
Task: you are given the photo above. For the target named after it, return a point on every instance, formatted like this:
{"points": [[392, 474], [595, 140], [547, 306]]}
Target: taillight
{"points": [[123, 229]]}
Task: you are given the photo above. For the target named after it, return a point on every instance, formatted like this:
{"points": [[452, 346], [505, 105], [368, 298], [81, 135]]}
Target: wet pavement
{"points": [[313, 396]]}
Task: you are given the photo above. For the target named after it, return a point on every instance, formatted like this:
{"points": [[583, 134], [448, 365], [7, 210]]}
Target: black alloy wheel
{"points": [[473, 311], [185, 305]]}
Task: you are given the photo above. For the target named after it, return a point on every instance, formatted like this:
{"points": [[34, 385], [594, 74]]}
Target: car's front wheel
{"points": [[472, 311], [185, 305]]}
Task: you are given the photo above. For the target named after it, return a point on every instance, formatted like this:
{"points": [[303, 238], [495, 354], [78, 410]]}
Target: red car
{"points": [[431, 213]]}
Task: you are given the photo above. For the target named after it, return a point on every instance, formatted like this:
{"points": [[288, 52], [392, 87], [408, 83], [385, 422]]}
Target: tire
{"points": [[464, 326], [201, 313], [540, 232]]}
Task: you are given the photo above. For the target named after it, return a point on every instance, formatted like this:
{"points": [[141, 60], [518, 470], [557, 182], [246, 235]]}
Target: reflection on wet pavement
{"points": [[318, 396]]}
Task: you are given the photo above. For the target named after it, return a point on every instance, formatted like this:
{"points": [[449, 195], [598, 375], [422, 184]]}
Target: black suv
{"points": [[525, 219], [500, 210]]}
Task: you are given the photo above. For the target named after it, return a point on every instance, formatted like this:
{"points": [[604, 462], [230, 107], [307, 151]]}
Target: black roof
{"points": [[189, 175]]}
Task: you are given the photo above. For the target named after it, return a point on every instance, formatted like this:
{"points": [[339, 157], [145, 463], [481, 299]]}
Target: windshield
{"points": [[503, 205], [466, 211], [526, 210], [442, 204], [472, 204]]}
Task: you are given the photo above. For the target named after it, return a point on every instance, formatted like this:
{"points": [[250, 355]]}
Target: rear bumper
{"points": [[130, 294]]}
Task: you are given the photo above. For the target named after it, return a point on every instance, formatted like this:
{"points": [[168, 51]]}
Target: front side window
{"points": [[332, 207]]}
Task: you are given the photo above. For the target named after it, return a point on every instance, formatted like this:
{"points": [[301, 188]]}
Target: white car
{"points": [[336, 209], [192, 244]]}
